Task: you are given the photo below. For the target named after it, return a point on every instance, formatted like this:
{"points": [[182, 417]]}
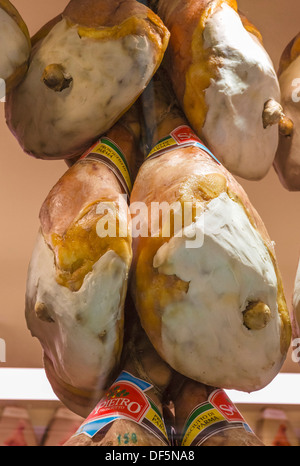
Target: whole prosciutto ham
{"points": [[206, 283], [130, 414], [225, 82]]}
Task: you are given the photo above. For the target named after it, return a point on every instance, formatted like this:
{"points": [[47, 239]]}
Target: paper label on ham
{"points": [[216, 414], [109, 153], [183, 136], [126, 399]]}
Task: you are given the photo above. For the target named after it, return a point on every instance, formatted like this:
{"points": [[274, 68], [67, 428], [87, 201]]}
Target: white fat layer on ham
{"points": [[203, 335], [81, 340], [107, 77], [236, 97], [14, 46]]}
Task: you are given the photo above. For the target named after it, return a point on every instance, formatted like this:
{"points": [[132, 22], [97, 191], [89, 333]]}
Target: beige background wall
{"points": [[24, 183]]}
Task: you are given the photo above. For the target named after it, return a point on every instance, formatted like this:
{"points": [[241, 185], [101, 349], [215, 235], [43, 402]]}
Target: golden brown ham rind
{"points": [[193, 164], [296, 309], [290, 53], [182, 19]]}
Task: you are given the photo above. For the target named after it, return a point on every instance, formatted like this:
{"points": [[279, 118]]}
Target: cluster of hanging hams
{"points": [[151, 85]]}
